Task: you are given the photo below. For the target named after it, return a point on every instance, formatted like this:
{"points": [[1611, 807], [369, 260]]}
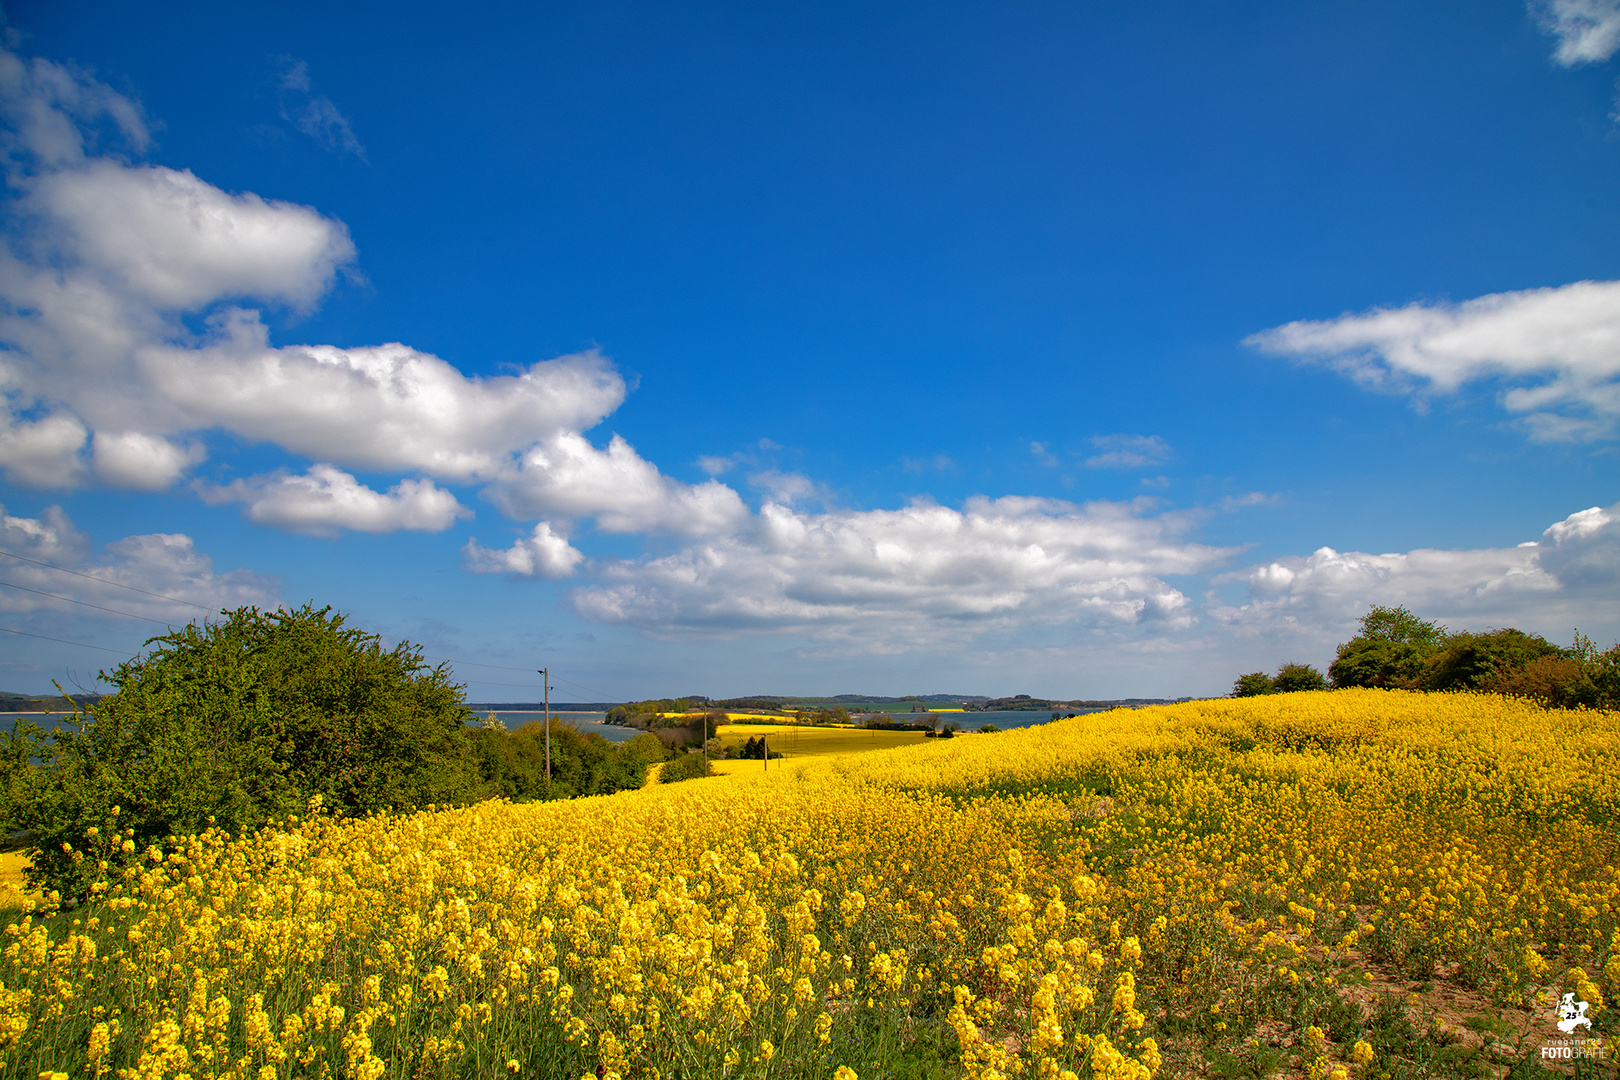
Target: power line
{"points": [[472, 663], [83, 603], [104, 581], [64, 641]]}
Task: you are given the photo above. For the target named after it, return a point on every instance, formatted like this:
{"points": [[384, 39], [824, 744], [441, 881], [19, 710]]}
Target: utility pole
{"points": [[545, 679]]}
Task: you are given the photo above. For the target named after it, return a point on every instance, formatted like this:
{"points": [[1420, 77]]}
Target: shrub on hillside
{"points": [[234, 723], [1253, 684], [512, 764], [1292, 678], [1485, 661], [685, 767], [1392, 650]]}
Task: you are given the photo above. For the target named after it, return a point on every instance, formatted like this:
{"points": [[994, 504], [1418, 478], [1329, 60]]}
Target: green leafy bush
{"points": [[1392, 650], [234, 723], [684, 767]]}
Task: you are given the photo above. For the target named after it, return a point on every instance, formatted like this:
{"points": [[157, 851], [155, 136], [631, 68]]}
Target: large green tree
{"points": [[1392, 650], [237, 722]]}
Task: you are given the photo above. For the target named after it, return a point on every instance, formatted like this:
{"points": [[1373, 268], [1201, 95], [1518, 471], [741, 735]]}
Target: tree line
{"points": [[252, 719], [1399, 650]]}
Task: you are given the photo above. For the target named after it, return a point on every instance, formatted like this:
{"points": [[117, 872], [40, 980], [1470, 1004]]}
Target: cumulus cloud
{"points": [[385, 407], [130, 459], [542, 554], [566, 476], [917, 577], [1588, 31], [1572, 573], [1128, 452], [44, 452], [325, 500], [103, 377], [1554, 351], [168, 239], [167, 564]]}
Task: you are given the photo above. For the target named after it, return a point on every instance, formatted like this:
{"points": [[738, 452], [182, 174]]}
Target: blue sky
{"points": [[1065, 349]]}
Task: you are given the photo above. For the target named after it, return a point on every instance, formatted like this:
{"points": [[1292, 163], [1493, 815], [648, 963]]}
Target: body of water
{"points": [[591, 723]]}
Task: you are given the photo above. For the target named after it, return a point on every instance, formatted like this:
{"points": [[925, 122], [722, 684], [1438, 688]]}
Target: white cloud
{"points": [[1043, 454], [715, 466], [177, 243], [386, 407], [1555, 350], [1128, 452], [918, 577], [313, 114], [567, 477], [164, 563], [129, 459], [1583, 551], [1588, 31], [326, 500], [43, 453], [99, 368], [1570, 575], [784, 487], [48, 107], [543, 554]]}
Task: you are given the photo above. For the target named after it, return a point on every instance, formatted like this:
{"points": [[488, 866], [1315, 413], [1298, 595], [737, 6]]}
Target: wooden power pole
{"points": [[545, 679]]}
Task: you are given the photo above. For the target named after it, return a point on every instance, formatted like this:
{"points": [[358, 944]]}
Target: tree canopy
{"points": [[1392, 650]]}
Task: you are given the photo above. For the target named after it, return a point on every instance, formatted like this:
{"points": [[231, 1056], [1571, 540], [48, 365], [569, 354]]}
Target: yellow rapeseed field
{"points": [[1196, 888], [815, 741]]}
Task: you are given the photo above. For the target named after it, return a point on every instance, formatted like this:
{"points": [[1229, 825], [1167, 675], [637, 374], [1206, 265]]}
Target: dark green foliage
{"points": [[1252, 685], [1392, 650], [622, 714], [1599, 684], [512, 764], [234, 723], [1398, 650], [1292, 677], [754, 750], [1481, 661], [684, 767]]}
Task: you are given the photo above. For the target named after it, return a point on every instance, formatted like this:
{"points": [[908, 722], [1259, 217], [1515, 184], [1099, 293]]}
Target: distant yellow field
{"points": [[816, 741], [733, 716]]}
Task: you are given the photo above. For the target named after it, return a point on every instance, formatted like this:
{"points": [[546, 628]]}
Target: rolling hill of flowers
{"points": [[1356, 883]]}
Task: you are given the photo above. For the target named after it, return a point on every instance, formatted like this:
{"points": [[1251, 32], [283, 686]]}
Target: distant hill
{"points": [[536, 706], [1023, 702], [11, 702]]}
